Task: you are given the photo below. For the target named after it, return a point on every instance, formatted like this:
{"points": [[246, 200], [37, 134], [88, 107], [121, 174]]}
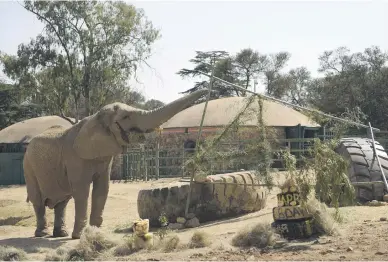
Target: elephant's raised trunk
{"points": [[155, 118]]}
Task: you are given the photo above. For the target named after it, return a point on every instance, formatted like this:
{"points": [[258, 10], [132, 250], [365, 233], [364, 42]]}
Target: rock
{"points": [[190, 215], [265, 250], [194, 222], [380, 253], [280, 244], [385, 198], [251, 258], [376, 203], [349, 249], [330, 250], [342, 257], [383, 219], [181, 220], [174, 226]]}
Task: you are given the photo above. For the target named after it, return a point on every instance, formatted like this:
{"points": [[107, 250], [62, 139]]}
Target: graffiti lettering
{"points": [[294, 230], [290, 213], [288, 199]]}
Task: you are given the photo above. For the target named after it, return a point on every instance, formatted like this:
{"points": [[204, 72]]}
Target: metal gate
{"points": [[11, 169]]}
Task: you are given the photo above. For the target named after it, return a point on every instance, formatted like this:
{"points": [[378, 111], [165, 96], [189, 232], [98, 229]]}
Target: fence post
{"points": [[143, 162], [183, 162], [157, 160]]}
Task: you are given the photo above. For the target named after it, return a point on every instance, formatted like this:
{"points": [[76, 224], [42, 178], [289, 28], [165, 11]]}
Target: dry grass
{"points": [[199, 239], [8, 253], [92, 244], [289, 182], [60, 254], [260, 236], [124, 249], [171, 243], [324, 220]]}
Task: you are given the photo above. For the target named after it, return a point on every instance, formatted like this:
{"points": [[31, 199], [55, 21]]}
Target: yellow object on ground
{"points": [[141, 227], [141, 242]]}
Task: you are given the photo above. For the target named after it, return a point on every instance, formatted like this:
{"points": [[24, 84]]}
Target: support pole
{"points": [[377, 156], [199, 137]]}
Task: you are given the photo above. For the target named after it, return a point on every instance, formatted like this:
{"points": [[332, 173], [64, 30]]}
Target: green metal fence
{"points": [[155, 162], [11, 169]]}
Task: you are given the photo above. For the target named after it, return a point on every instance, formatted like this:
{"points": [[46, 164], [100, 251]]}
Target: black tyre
{"points": [[364, 166], [208, 201], [295, 229]]}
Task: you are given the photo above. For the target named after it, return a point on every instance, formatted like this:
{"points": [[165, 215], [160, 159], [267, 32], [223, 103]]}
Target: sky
{"points": [[304, 28]]}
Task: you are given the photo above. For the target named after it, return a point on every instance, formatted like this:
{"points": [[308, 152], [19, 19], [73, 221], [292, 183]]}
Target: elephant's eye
{"points": [[126, 117]]}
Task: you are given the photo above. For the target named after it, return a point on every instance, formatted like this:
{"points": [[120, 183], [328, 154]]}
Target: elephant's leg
{"points": [[81, 196], [35, 197], [99, 196], [59, 221], [41, 220]]}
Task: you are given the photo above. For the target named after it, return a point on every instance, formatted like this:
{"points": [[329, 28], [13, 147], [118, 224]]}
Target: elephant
{"points": [[61, 163]]}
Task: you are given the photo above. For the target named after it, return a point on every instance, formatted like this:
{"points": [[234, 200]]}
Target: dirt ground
{"points": [[363, 235]]}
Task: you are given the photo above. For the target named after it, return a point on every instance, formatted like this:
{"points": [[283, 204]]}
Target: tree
{"points": [[153, 104], [273, 79], [91, 47], [205, 61], [11, 110], [240, 69], [294, 86], [353, 80], [249, 64]]}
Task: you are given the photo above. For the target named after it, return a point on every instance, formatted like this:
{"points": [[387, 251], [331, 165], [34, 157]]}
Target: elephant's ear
{"points": [[95, 140]]}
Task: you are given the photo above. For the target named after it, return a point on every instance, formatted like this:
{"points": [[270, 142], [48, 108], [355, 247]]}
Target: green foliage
{"points": [[11, 110], [323, 175], [331, 171], [227, 148], [323, 170], [241, 69], [163, 220], [85, 55], [351, 80], [263, 148], [205, 61]]}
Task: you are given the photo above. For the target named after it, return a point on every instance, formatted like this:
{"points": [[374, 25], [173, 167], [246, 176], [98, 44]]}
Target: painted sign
{"points": [[288, 199], [294, 230], [290, 213]]}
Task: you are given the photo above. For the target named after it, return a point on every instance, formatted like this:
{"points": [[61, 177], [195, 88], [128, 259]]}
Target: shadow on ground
{"points": [[293, 248], [231, 219], [11, 221], [32, 244]]}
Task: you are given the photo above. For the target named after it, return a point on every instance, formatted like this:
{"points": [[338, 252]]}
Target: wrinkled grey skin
{"points": [[60, 164]]}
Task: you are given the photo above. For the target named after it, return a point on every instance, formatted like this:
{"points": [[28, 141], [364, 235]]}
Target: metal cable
{"points": [[287, 103]]}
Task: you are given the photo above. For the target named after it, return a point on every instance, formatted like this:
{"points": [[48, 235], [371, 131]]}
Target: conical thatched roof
{"points": [[221, 112], [24, 131]]}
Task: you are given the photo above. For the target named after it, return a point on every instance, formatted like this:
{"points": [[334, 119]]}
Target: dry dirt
{"points": [[363, 234]]}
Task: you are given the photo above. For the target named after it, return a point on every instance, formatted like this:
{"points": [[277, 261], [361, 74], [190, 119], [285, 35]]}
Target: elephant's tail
{"points": [[27, 200]]}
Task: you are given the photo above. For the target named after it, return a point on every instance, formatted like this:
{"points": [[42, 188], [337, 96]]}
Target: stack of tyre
{"points": [[224, 195]]}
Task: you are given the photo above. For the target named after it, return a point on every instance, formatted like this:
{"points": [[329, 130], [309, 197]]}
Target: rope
{"points": [[287, 103]]}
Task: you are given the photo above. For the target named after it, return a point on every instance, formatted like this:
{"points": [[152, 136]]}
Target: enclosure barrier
{"points": [[228, 84]]}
